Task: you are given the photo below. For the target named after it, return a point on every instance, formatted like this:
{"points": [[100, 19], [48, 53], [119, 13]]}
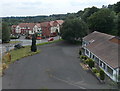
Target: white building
{"points": [[103, 49]]}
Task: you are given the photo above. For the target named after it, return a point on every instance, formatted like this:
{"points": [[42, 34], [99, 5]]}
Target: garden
{"points": [[90, 64]]}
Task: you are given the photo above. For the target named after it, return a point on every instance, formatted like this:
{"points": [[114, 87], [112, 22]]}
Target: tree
{"points": [[102, 21], [73, 30], [116, 7], [5, 33], [33, 46], [118, 25], [88, 12]]}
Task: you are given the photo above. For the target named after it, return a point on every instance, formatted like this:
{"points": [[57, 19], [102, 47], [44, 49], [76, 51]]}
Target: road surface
{"points": [[56, 67]]}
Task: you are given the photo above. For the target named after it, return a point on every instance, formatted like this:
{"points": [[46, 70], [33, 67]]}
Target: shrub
{"points": [[18, 46], [4, 66], [87, 61], [80, 52], [95, 70], [102, 74], [91, 63], [13, 37], [98, 74], [33, 46], [83, 57]]}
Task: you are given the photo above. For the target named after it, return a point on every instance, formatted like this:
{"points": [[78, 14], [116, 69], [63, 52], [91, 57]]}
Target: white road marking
{"points": [[68, 82]]}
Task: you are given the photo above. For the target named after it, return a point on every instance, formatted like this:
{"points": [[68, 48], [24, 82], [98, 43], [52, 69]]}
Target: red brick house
{"points": [[13, 28], [51, 28], [23, 28], [46, 29], [45, 26], [58, 25]]}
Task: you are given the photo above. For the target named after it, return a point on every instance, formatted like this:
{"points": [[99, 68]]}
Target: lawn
{"points": [[13, 42], [50, 42], [18, 54]]}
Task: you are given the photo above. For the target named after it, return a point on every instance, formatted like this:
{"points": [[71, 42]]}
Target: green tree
{"points": [[118, 25], [88, 12], [102, 21], [33, 46], [0, 30], [5, 33], [73, 30], [116, 7]]}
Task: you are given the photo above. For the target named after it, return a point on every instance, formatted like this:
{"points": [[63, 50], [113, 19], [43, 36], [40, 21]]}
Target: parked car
{"points": [[50, 39], [14, 36], [18, 46]]}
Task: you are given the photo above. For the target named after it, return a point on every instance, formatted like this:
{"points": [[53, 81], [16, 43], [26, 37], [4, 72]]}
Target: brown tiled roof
{"points": [[44, 24], [30, 25], [103, 48], [51, 23], [97, 36], [14, 26], [38, 25], [60, 22]]}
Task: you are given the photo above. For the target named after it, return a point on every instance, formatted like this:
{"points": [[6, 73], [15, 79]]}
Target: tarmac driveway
{"points": [[56, 67]]}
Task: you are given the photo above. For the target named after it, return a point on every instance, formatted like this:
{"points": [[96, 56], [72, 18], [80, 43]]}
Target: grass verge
{"points": [[13, 42], [50, 42], [18, 54]]}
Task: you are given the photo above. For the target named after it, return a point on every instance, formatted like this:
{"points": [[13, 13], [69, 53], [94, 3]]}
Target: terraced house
{"points": [[104, 50], [50, 28]]}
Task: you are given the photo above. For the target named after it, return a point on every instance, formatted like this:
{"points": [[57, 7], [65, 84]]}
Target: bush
{"points": [[80, 52], [91, 63], [83, 57], [33, 46], [18, 46], [95, 70], [13, 37], [98, 74], [102, 74]]}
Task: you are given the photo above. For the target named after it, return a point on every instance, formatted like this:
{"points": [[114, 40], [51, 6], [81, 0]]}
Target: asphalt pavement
{"points": [[56, 67]]}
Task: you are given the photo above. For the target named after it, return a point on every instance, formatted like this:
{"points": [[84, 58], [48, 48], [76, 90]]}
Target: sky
{"points": [[47, 7]]}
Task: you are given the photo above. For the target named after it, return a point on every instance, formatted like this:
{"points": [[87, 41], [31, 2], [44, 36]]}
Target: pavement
{"points": [[56, 67]]}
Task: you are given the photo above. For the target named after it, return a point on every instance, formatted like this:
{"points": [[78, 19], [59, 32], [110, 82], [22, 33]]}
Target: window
{"points": [[93, 56], [104, 65], [87, 52], [119, 75], [83, 43], [96, 60], [109, 70], [119, 71], [101, 63], [90, 55]]}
